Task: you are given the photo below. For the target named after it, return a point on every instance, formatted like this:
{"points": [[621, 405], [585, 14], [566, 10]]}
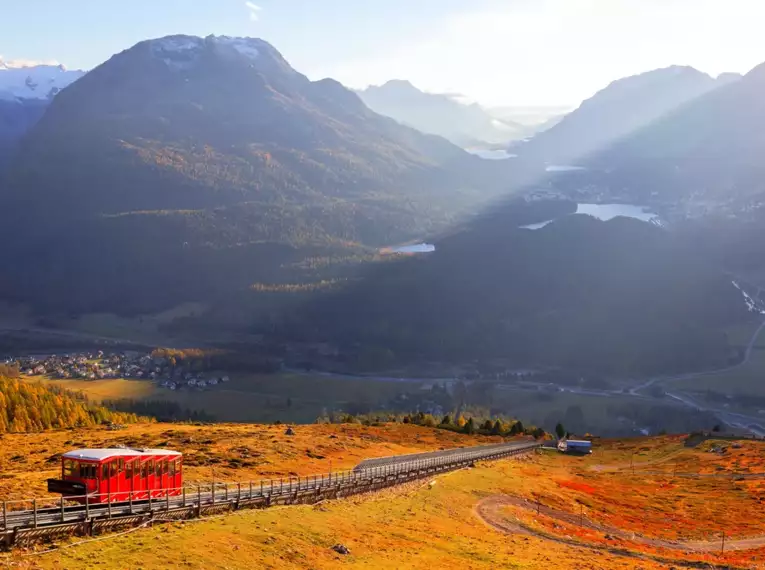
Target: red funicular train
{"points": [[120, 474]]}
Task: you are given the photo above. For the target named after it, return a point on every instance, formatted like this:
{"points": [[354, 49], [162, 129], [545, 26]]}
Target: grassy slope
{"points": [[434, 524], [412, 527]]}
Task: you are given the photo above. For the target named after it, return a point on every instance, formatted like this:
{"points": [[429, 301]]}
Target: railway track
{"points": [[38, 519]]}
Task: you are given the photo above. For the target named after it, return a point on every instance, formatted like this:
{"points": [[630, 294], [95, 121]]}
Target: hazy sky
{"points": [[499, 52]]}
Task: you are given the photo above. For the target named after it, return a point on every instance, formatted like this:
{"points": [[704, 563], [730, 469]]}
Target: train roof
{"points": [[102, 454]]}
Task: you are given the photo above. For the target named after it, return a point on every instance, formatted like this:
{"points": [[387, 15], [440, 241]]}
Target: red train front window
{"points": [[69, 468], [88, 471]]}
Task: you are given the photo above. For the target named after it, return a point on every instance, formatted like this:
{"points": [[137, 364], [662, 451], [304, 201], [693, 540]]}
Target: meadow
{"points": [[284, 397], [663, 520]]}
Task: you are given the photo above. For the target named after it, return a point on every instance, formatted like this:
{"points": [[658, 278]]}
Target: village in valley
{"points": [[129, 365]]}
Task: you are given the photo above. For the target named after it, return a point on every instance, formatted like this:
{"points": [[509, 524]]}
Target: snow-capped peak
{"points": [[24, 81], [182, 52]]}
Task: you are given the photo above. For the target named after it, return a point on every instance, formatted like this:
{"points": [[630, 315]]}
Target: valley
{"points": [[208, 195]]}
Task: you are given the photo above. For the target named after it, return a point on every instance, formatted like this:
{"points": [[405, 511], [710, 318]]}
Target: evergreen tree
{"points": [[447, 421], [560, 431], [497, 428], [469, 427]]}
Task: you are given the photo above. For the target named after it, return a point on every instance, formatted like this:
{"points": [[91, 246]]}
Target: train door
{"points": [[108, 481], [159, 474], [178, 473], [172, 485], [132, 477], [150, 478]]}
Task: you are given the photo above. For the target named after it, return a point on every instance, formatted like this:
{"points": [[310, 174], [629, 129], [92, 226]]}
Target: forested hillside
{"points": [[26, 407], [185, 168], [616, 298]]}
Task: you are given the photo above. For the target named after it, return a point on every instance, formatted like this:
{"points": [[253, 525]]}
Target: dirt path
{"points": [[491, 511]]}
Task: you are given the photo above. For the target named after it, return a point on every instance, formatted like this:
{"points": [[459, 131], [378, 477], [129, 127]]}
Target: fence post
{"points": [[34, 508], [62, 510], [213, 493], [261, 487], [238, 493], [109, 506], [5, 514], [87, 505], [167, 499], [250, 496], [199, 502], [225, 492]]}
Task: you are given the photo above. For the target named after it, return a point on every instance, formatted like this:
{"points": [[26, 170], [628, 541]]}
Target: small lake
{"points": [[488, 154], [606, 212], [414, 248], [563, 168]]}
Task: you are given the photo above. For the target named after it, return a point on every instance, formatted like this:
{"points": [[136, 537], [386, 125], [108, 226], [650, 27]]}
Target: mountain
{"points": [[616, 298], [42, 82], [438, 114], [706, 154], [205, 163], [25, 92], [622, 108]]}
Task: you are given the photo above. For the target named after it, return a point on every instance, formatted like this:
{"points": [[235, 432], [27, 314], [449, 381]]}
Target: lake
{"points": [[606, 212], [414, 248], [491, 154], [563, 168]]}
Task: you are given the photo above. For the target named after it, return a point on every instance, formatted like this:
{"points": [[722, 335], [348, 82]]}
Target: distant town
{"points": [[100, 366]]}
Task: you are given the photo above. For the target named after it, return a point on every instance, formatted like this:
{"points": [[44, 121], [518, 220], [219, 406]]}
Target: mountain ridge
{"points": [[623, 107], [440, 114]]}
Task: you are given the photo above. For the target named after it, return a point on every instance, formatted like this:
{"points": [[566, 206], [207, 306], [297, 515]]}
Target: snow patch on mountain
{"points": [[183, 52], [34, 82], [178, 52], [244, 46]]}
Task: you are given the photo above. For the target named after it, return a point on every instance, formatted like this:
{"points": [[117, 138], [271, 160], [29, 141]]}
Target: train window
{"points": [[113, 468], [88, 471], [68, 468], [171, 468], [129, 469], [120, 465], [105, 471], [147, 468], [158, 468]]}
